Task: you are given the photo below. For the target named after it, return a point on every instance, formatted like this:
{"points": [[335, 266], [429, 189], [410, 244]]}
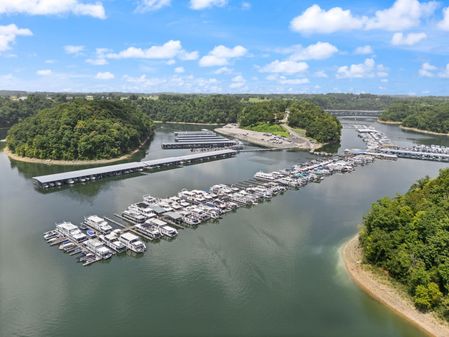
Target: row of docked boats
{"points": [[94, 240], [155, 218], [378, 143]]}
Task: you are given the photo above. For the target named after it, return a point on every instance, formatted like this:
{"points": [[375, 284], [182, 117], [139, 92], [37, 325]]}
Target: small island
{"points": [[401, 256], [421, 115], [80, 132], [285, 124]]}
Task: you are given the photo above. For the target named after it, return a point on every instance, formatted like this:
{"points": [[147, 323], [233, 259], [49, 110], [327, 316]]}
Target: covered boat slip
{"points": [[91, 174], [198, 139]]}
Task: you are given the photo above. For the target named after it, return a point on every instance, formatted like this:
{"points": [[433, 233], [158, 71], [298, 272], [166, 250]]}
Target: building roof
{"points": [[158, 222], [126, 166], [129, 236], [173, 215]]}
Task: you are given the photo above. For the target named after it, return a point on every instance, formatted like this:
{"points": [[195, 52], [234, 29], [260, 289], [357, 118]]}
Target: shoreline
{"points": [[72, 162], [388, 122], [406, 128], [383, 291], [258, 138], [183, 123]]}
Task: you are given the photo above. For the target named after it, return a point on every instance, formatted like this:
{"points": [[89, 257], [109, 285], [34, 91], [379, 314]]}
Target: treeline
{"points": [[80, 130], [12, 112], [198, 108], [318, 124], [192, 108], [262, 112], [408, 236], [421, 114]]}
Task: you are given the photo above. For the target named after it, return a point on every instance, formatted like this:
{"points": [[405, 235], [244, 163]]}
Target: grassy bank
{"points": [[274, 129]]}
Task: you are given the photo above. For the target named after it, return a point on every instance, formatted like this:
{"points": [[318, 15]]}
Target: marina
{"points": [[380, 145], [93, 174], [153, 218], [294, 237]]}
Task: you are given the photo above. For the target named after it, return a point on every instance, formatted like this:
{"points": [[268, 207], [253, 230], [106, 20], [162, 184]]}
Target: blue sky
{"points": [[225, 46]]}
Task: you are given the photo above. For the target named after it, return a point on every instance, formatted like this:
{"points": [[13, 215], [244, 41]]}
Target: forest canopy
{"points": [[80, 130], [318, 124], [421, 114], [408, 236]]}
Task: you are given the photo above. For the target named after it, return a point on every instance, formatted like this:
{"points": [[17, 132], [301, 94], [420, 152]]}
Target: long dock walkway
{"points": [[92, 174]]}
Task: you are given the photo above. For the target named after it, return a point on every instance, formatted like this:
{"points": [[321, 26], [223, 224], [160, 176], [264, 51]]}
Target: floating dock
{"points": [[92, 174], [401, 153], [199, 139]]}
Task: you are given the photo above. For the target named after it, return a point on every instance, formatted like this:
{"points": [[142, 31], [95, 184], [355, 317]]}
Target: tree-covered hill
{"points": [[80, 130], [318, 124], [421, 114], [408, 236]]}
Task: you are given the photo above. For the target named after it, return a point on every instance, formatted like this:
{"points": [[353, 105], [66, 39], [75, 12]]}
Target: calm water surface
{"points": [[272, 270]]}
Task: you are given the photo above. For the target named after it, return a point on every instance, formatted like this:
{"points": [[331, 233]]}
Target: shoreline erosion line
{"points": [[383, 291], [74, 162], [406, 128]]}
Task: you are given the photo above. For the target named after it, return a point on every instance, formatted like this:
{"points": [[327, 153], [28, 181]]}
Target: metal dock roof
{"points": [[126, 166]]}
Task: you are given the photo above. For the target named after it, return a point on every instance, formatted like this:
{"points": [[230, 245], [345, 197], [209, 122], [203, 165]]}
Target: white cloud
{"points": [[203, 4], [321, 74], [52, 7], [97, 61], [8, 35], [429, 70], [444, 24], [73, 50], [223, 70], [144, 81], [220, 55], [287, 81], [179, 70], [316, 20], [445, 72], [410, 39], [245, 5], [104, 76], [363, 70], [404, 14], [237, 82], [293, 81], [364, 50], [44, 72], [100, 57], [151, 5], [168, 50], [188, 56], [286, 67], [317, 51]]}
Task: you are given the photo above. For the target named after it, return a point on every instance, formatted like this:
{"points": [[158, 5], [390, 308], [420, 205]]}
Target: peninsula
{"points": [[80, 132], [400, 257]]}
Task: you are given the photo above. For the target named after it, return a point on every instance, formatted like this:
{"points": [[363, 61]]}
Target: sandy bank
{"points": [[381, 289], [259, 138], [388, 122], [71, 162], [423, 131]]}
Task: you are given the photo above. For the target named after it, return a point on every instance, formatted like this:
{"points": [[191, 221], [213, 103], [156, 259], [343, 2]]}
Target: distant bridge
{"points": [[369, 113]]}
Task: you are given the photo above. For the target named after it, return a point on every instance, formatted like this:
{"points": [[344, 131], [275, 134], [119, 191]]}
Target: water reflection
{"points": [[268, 270]]}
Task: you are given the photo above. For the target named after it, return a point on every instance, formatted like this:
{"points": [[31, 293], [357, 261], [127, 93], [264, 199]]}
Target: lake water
{"points": [[271, 270]]}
